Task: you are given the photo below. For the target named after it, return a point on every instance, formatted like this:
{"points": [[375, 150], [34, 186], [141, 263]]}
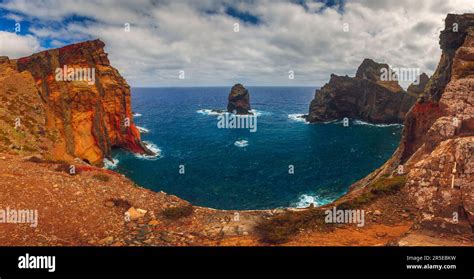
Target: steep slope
{"points": [[436, 152], [87, 116]]}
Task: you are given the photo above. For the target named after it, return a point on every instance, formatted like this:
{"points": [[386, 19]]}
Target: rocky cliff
{"points": [[239, 100], [365, 97], [436, 152], [72, 96]]}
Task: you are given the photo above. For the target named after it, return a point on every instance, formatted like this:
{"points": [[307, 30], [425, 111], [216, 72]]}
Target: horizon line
{"points": [[195, 86]]}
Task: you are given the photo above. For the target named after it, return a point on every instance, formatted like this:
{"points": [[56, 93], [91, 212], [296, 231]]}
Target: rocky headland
{"points": [[436, 152], [364, 97], [68, 119]]}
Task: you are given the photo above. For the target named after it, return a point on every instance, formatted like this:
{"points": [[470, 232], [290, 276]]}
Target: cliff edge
{"points": [[364, 97], [436, 152], [72, 102]]}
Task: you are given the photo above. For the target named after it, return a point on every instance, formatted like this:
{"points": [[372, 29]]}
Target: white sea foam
{"points": [[306, 200], [143, 130], [360, 122], [297, 117], [110, 164], [210, 112], [154, 148], [137, 114], [260, 112], [214, 112], [241, 143]]}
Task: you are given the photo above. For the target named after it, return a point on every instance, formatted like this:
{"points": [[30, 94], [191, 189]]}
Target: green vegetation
{"points": [[388, 185], [178, 212], [281, 228], [385, 185]]}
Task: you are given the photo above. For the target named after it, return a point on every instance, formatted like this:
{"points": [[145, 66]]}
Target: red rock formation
{"points": [[437, 146], [91, 116]]}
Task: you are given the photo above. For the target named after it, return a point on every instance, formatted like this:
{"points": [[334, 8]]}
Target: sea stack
{"points": [[239, 100], [364, 97]]}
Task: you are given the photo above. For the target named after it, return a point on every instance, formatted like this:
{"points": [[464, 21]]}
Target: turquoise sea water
{"points": [[254, 172]]}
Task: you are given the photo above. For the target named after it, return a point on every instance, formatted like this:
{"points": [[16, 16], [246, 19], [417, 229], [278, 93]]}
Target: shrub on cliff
{"points": [[383, 186], [280, 228]]}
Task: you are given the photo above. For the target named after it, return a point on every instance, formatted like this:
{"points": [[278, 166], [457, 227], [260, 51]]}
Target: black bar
{"points": [[242, 259]]}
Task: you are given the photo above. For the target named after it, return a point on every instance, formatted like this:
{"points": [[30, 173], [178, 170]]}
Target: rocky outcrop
{"points": [[436, 152], [438, 141], [365, 97], [418, 88], [239, 100], [86, 118]]}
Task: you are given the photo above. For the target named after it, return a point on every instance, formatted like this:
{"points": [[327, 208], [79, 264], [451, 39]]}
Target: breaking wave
{"points": [[306, 200], [298, 117], [154, 148]]}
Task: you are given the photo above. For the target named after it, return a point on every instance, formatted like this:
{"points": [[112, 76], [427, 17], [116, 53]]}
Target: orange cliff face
{"points": [[86, 103], [436, 151]]}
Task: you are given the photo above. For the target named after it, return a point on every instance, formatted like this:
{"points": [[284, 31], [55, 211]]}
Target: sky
{"points": [[166, 38]]}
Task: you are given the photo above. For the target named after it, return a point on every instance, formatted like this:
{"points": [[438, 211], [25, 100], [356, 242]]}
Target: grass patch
{"points": [[178, 212], [388, 185], [280, 228], [383, 186], [101, 177]]}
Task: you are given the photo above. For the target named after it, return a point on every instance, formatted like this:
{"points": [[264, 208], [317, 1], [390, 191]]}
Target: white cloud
{"points": [[198, 37], [16, 46]]}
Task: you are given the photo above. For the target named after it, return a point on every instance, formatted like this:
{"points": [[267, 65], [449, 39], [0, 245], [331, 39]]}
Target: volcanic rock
{"points": [[78, 119], [365, 97], [437, 145], [239, 100], [417, 89]]}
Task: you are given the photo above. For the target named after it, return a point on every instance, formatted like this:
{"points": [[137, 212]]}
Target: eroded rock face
{"points": [[417, 89], [439, 141], [88, 117], [365, 97], [239, 100]]}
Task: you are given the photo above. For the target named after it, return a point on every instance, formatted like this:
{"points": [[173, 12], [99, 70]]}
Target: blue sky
{"points": [[308, 38]]}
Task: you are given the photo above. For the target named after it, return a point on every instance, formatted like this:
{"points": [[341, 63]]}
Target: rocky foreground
{"points": [[54, 135]]}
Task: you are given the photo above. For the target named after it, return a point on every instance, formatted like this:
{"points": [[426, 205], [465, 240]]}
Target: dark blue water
{"points": [[327, 158]]}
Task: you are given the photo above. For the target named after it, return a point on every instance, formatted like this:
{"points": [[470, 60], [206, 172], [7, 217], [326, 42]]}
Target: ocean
{"points": [[286, 162]]}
